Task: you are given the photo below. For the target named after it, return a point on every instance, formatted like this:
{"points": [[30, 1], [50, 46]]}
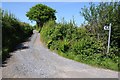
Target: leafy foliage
{"points": [[78, 44], [41, 14], [13, 32], [103, 14]]}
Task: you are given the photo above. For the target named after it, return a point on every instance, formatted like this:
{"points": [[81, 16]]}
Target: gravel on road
{"points": [[37, 61]]}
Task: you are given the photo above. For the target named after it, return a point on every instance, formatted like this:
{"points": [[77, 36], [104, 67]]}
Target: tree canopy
{"points": [[41, 14]]}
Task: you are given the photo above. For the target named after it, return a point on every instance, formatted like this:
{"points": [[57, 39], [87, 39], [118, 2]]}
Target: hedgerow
{"points": [[13, 32], [78, 44]]}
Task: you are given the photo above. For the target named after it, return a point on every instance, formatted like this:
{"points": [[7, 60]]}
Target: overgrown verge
{"points": [[79, 44], [13, 32]]}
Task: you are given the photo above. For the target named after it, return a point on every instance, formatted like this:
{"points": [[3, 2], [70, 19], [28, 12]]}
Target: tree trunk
{"points": [[39, 24]]}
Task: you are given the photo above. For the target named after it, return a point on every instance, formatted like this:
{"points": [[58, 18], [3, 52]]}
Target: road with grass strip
{"points": [[33, 60]]}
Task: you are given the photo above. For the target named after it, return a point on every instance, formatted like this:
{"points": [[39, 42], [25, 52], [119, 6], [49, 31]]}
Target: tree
{"points": [[103, 14], [99, 15], [41, 14]]}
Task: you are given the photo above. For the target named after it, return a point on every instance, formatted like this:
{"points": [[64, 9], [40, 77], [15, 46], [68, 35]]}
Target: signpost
{"points": [[108, 28]]}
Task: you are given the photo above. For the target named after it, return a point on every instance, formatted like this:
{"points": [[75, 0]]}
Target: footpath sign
{"points": [[108, 28]]}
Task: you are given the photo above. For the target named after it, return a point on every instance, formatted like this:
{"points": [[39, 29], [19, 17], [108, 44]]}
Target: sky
{"points": [[68, 10]]}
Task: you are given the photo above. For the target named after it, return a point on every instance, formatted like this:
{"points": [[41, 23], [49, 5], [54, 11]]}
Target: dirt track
{"points": [[36, 61]]}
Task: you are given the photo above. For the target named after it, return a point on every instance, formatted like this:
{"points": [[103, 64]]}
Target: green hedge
{"points": [[13, 32], [78, 44]]}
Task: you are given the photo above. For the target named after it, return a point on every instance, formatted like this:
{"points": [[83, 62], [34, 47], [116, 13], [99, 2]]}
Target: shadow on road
{"points": [[4, 62], [20, 46], [25, 44]]}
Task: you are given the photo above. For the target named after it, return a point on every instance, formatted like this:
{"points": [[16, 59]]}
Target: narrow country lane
{"points": [[37, 61]]}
